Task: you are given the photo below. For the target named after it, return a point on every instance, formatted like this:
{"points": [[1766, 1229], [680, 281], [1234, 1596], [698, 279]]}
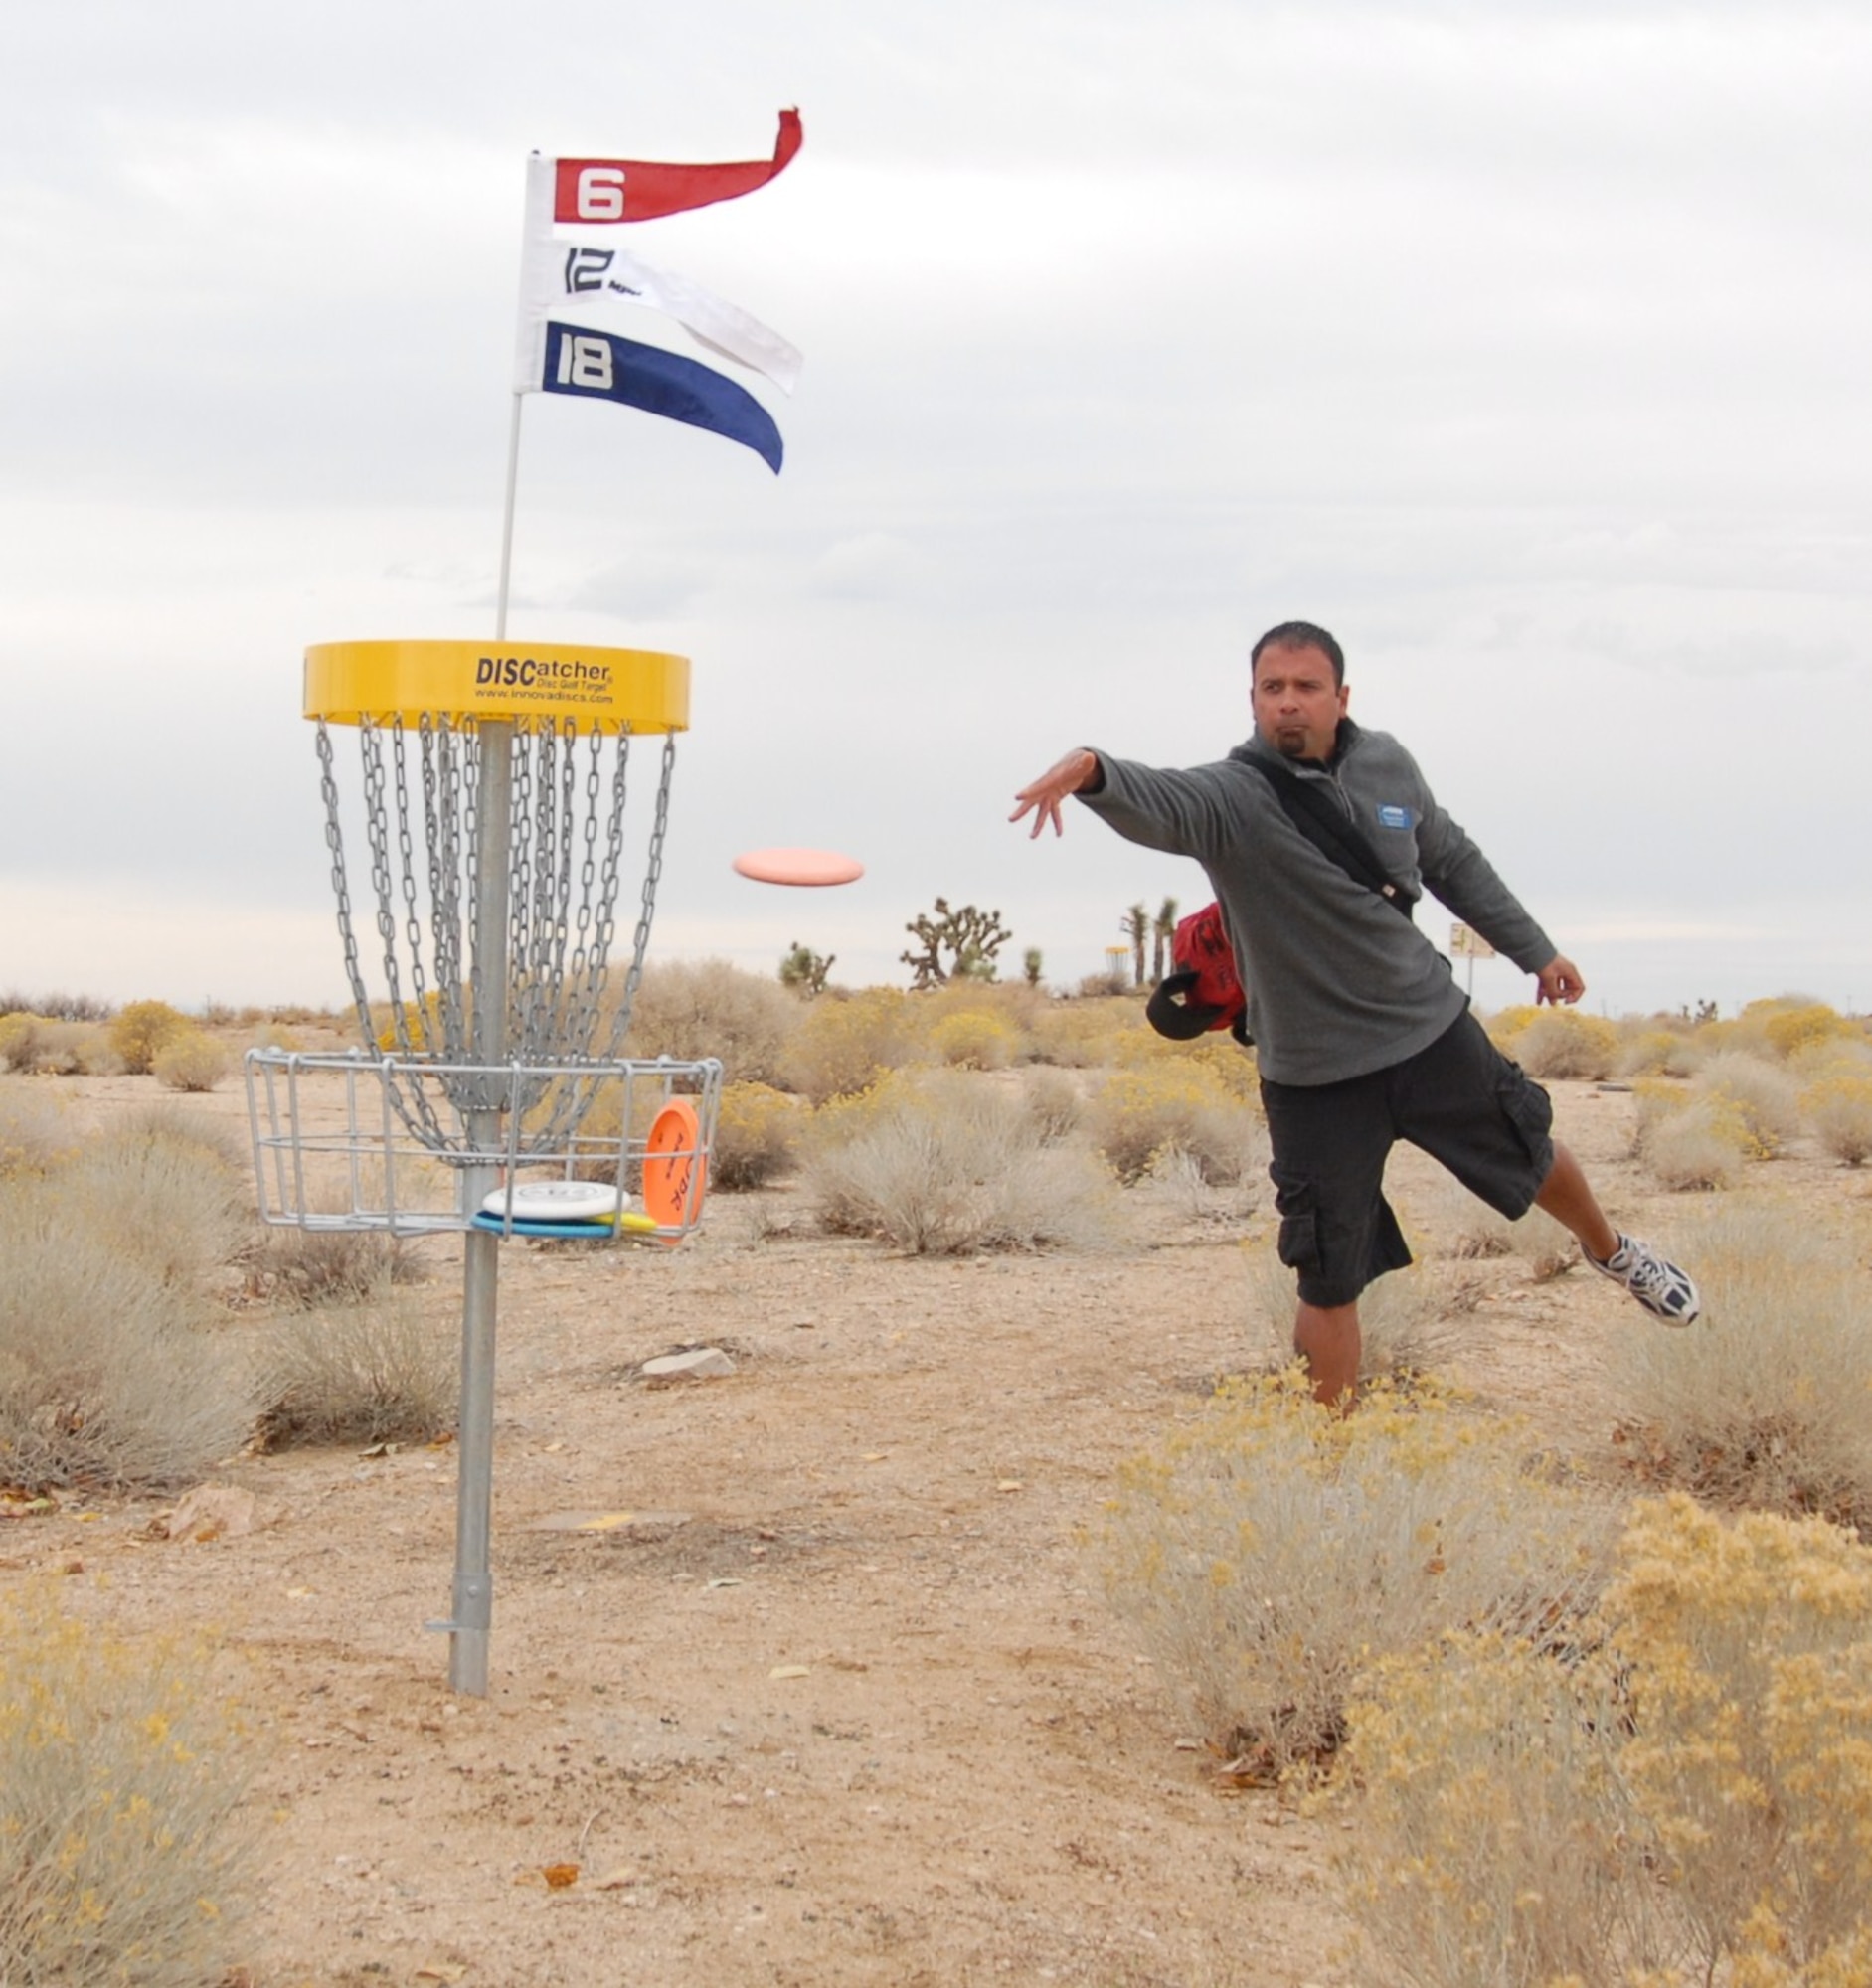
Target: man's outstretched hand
{"points": [[1558, 980], [1042, 797]]}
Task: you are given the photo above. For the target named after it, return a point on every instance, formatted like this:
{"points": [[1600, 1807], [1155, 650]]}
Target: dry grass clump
{"points": [[154, 1192], [1657, 1046], [975, 1039], [1139, 1115], [1836, 1079], [1476, 1234], [372, 1372], [309, 1267], [1763, 1402], [1271, 1552], [1088, 1033], [757, 1136], [104, 1377], [1562, 1042], [694, 1008], [1687, 1143], [1765, 1095], [1687, 1802], [845, 1043], [1054, 1102], [46, 1045], [192, 1061], [118, 1782], [35, 1130], [949, 1165]]}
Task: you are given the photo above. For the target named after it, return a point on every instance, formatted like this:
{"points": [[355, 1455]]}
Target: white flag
{"points": [[568, 271]]}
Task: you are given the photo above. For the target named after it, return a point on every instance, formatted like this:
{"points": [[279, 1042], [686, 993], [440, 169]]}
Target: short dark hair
{"points": [[1302, 635]]}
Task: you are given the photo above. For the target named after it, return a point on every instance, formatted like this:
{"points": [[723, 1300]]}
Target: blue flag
{"points": [[601, 367]]}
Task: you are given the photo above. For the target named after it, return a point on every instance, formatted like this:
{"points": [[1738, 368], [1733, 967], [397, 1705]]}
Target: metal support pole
{"points": [[472, 1615]]}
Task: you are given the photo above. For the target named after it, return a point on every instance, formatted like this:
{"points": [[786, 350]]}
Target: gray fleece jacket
{"points": [[1337, 983]]}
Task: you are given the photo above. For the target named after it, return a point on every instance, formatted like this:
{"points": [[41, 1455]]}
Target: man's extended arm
{"points": [[1463, 878]]}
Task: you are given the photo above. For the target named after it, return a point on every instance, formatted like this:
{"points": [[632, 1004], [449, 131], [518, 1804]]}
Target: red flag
{"points": [[594, 191]]}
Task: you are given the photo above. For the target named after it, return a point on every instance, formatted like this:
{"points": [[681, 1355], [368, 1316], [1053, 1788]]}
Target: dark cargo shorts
{"points": [[1460, 1099]]}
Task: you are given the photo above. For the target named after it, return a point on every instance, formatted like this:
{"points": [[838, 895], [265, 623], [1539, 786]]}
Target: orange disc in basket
{"points": [[675, 1170], [799, 866]]}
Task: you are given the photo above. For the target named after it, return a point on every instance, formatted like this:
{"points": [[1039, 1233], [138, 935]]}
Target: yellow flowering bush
{"points": [[118, 1778]]}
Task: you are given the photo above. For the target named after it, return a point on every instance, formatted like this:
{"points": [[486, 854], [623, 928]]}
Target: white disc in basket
{"points": [[556, 1201]]}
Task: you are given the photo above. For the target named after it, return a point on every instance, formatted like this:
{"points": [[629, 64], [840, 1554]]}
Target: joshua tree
{"points": [[1162, 931], [1030, 964], [805, 970], [1135, 926], [968, 937]]}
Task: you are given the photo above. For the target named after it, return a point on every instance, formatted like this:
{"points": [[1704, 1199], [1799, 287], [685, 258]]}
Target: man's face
{"points": [[1297, 706]]}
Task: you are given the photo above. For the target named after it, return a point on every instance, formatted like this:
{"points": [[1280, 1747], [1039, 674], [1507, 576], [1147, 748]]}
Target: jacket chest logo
{"points": [[1390, 815]]}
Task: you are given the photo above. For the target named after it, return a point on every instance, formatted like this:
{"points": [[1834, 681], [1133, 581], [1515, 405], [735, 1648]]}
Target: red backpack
{"points": [[1205, 991]]}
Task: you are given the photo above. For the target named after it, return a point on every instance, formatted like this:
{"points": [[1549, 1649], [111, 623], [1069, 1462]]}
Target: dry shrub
{"points": [[1763, 1402], [1407, 1320], [1054, 1102], [1692, 1143], [120, 1777], [950, 1165], [846, 1042], [43, 1046], [1490, 1839], [1765, 1095], [142, 1029], [975, 1039], [1477, 1233], [1270, 1552], [1088, 1033], [757, 1136], [1687, 1803], [191, 1060], [373, 1372], [1655, 1050], [1562, 1042], [157, 1195], [35, 1131], [1786, 1024], [309, 1267], [105, 1378], [1836, 1106], [689, 1009], [1505, 1025], [1749, 1645], [1165, 1106]]}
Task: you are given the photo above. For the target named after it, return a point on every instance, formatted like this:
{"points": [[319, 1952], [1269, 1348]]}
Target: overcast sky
{"points": [[1523, 346]]}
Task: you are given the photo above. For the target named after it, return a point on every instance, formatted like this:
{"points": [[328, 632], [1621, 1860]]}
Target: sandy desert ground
{"points": [[833, 1697]]}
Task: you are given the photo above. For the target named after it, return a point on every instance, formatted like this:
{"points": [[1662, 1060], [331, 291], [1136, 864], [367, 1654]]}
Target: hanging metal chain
{"points": [[652, 874], [340, 884], [424, 1027]]}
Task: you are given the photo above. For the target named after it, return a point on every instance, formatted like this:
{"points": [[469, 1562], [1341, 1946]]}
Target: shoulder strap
{"points": [[1329, 831]]}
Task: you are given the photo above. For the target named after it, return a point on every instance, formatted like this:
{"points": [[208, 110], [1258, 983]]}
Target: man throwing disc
{"points": [[1363, 1035]]}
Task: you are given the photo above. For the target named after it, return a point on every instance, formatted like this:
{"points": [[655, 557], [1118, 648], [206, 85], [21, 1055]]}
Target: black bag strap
{"points": [[1328, 828]]}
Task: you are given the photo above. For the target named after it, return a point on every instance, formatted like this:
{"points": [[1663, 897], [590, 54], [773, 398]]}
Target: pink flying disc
{"points": [[799, 866]]}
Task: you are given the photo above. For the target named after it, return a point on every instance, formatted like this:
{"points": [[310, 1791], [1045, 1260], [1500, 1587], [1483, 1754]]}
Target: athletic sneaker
{"points": [[1663, 1291]]}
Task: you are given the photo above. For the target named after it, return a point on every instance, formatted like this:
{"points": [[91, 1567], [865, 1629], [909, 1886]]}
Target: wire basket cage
{"points": [[333, 1137]]}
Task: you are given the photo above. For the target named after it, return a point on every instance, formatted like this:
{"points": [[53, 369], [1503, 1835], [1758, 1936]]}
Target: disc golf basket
{"points": [[479, 858]]}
